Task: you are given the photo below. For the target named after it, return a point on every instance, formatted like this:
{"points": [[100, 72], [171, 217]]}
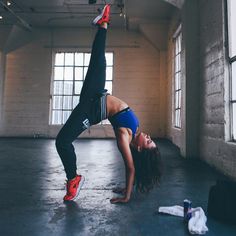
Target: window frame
{"points": [[177, 92], [231, 60], [74, 94]]}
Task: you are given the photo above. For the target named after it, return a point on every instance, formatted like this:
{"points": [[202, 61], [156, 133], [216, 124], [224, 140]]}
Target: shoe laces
{"points": [[70, 183]]}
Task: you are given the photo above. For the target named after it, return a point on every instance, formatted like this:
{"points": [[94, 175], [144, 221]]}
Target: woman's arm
{"points": [[123, 141]]}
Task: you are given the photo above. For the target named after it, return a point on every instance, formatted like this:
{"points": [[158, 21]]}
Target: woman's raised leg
{"points": [[96, 75]]}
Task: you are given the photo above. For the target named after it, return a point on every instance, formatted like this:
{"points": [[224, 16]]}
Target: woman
{"points": [[138, 150]]}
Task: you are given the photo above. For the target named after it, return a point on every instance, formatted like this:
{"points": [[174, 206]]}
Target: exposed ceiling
{"points": [[79, 13]]}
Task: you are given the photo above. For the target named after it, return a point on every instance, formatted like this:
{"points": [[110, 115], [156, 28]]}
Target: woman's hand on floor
{"points": [[119, 200]]}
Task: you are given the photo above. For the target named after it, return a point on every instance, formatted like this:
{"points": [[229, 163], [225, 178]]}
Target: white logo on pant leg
{"points": [[86, 124]]}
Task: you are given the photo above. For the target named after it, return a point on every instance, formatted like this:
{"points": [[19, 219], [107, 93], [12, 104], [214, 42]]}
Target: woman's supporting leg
{"points": [[96, 75], [78, 120], [73, 127]]}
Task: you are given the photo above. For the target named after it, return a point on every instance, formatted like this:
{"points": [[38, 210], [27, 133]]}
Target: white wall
{"points": [[215, 145], [137, 80], [26, 91], [205, 77]]}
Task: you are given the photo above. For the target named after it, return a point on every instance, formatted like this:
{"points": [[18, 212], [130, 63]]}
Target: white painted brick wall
{"points": [[214, 147], [26, 91], [28, 77]]}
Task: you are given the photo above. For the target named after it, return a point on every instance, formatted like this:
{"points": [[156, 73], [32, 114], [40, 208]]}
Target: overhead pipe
{"points": [[92, 1]]}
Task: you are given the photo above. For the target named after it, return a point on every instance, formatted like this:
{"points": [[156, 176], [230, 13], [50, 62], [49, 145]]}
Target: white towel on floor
{"points": [[172, 210], [196, 224]]}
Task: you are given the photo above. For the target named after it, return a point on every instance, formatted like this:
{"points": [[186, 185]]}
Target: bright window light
{"points": [[232, 59], [232, 28], [69, 72], [177, 80]]}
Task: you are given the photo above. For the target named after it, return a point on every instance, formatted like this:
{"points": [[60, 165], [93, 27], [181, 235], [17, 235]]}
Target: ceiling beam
{"points": [[22, 21], [176, 3]]}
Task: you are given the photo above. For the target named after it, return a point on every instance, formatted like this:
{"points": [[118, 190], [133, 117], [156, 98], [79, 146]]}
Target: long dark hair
{"points": [[148, 168]]}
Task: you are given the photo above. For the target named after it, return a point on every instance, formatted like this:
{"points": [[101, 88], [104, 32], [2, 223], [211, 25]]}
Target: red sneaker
{"points": [[103, 17], [73, 187]]}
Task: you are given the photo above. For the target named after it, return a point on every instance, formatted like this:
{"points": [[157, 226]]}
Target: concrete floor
{"points": [[32, 188]]}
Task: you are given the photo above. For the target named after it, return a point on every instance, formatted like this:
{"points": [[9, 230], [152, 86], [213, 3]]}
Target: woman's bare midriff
{"points": [[114, 105]]}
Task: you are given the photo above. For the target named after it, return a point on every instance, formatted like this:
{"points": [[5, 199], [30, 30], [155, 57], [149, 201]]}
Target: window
{"points": [[69, 72], [232, 60], [177, 78]]}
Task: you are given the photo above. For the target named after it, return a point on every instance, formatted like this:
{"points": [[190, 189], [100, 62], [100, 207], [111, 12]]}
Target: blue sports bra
{"points": [[125, 118]]}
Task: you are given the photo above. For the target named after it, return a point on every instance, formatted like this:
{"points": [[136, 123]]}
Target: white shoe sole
{"points": [[99, 17]]}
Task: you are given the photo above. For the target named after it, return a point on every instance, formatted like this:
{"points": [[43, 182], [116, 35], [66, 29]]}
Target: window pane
{"points": [[69, 59], [109, 71], [78, 73], [78, 87], [177, 122], [58, 73], [234, 121], [109, 59], [176, 100], [65, 115], [57, 102], [75, 101], [179, 94], [58, 88], [68, 73], [67, 102], [232, 28], [176, 81], [179, 42], [86, 59], [68, 87], [233, 78], [176, 117], [59, 60], [177, 62], [176, 46], [177, 84], [105, 122], [85, 71], [179, 76], [56, 117], [79, 59], [179, 119], [108, 86]]}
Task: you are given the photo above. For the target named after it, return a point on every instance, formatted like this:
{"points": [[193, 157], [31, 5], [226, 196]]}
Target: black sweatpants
{"points": [[88, 111]]}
